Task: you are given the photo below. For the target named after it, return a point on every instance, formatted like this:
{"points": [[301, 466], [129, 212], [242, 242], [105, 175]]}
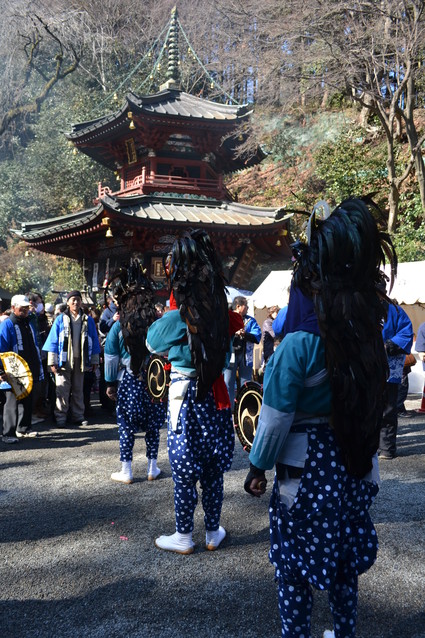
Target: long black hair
{"points": [[198, 287], [340, 269]]}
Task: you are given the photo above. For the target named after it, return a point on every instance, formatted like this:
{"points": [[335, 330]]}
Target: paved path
{"points": [[78, 560]]}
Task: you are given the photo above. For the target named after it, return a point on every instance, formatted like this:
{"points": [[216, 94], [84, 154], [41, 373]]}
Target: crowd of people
{"points": [[333, 362]]}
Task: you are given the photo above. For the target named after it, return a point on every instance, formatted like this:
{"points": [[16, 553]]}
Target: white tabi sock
{"points": [[126, 468]]}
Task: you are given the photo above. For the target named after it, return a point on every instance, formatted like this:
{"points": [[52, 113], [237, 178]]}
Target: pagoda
{"points": [[170, 152]]}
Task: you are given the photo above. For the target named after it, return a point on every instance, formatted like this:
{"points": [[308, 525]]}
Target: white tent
{"points": [[274, 291], [408, 290], [409, 286]]}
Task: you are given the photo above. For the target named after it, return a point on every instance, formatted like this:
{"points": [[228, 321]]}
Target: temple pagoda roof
{"points": [[169, 102], [215, 126], [153, 209]]}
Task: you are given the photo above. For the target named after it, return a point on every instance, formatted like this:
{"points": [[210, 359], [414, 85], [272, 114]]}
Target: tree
{"points": [[35, 59], [371, 50]]}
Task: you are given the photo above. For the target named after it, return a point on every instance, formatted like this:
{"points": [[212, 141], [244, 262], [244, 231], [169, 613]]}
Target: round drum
{"points": [[247, 410], [158, 378]]}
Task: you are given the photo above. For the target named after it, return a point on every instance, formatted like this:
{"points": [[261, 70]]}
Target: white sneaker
{"points": [[153, 474], [213, 539], [179, 543], [24, 435], [328, 633], [122, 477]]}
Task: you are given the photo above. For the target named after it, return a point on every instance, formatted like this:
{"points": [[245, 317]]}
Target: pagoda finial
{"points": [[173, 72]]}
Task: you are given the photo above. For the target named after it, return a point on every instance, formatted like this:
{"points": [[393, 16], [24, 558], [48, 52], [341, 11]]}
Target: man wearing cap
{"points": [[18, 335], [73, 348]]}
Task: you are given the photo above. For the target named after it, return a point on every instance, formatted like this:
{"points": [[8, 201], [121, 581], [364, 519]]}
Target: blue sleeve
{"points": [[253, 329], [398, 328], [5, 337], [112, 353], [420, 340], [52, 342], [96, 349], [279, 323]]}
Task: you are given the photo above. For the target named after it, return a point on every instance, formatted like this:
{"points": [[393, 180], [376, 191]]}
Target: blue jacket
{"points": [[60, 332], [296, 389], [279, 323], [9, 343], [246, 345], [398, 329]]}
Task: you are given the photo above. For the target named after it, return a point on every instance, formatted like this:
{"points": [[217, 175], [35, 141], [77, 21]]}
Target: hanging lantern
{"points": [[108, 233]]}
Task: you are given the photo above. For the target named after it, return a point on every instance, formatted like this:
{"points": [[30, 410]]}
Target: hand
{"points": [[255, 482], [258, 485], [116, 316], [54, 369], [3, 377], [111, 392]]}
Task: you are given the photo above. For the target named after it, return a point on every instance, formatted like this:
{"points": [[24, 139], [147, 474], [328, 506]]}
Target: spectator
{"points": [[107, 319], [38, 316], [242, 356], [279, 323], [73, 347], [17, 334], [268, 333], [50, 313], [159, 309], [398, 338]]}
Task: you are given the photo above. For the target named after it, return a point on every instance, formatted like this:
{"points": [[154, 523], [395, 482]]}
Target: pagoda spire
{"points": [[173, 71]]}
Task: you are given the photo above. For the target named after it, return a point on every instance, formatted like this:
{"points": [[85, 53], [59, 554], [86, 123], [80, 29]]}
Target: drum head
{"points": [[19, 374], [247, 410], [158, 378]]}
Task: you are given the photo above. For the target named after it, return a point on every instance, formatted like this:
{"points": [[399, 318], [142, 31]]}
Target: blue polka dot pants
{"points": [[324, 540], [201, 449], [296, 603], [136, 412], [186, 500]]}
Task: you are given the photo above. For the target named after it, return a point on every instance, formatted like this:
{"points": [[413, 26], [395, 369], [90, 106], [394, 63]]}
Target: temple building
{"points": [[170, 152]]}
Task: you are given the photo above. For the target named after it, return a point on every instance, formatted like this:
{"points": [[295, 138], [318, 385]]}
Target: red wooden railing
{"points": [[144, 184]]}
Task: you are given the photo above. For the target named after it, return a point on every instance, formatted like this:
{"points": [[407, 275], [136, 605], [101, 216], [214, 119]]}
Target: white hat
{"points": [[49, 308], [20, 300]]}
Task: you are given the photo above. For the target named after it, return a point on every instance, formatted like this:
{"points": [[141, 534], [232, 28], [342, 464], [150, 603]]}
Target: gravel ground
{"points": [[78, 557]]}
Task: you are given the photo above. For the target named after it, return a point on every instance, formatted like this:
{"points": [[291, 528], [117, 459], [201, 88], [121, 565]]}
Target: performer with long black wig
{"points": [[320, 420], [195, 338], [126, 358]]}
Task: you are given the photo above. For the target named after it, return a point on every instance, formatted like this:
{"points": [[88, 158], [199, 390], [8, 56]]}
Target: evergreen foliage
{"points": [[319, 146]]}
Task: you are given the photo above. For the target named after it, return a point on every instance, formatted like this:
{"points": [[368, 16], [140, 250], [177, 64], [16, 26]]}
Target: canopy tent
{"points": [[232, 292], [274, 291], [408, 291], [409, 285]]}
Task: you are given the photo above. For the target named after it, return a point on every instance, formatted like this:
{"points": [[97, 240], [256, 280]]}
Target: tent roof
{"points": [[274, 291], [409, 286]]}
